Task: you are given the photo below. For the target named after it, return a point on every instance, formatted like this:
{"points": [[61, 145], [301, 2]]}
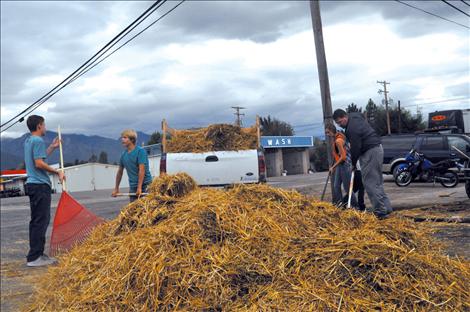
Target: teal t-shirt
{"points": [[35, 148], [131, 162]]}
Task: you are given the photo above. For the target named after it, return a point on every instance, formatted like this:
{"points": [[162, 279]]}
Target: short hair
{"points": [[131, 134], [339, 113], [331, 127], [33, 122]]}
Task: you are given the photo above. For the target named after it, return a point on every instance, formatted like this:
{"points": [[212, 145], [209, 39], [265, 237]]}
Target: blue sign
{"points": [[286, 141]]}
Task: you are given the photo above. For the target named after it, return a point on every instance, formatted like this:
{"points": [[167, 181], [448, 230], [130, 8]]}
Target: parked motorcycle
{"points": [[417, 165]]}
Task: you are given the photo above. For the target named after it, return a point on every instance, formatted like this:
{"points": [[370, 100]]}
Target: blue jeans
{"points": [[40, 204], [342, 177]]}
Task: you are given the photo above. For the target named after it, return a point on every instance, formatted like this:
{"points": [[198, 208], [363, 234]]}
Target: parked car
{"points": [[435, 146]]}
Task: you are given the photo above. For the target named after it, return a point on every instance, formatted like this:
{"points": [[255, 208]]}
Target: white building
{"points": [[89, 177]]}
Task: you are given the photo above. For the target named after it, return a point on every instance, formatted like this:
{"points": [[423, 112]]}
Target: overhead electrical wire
{"points": [[430, 13], [465, 3], [96, 62], [117, 37], [451, 5], [93, 61]]}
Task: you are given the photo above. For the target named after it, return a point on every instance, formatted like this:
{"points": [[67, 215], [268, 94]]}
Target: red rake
{"points": [[72, 224]]}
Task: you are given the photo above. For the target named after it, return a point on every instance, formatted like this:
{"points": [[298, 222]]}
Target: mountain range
{"points": [[76, 147]]}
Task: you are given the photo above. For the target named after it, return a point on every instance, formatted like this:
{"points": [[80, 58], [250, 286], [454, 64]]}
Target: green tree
{"points": [[273, 126], [93, 158], [320, 155], [76, 161], [352, 108], [103, 158], [371, 112], [155, 138]]}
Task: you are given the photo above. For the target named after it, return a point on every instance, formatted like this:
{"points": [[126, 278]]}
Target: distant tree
{"points": [[409, 123], [76, 162], [93, 158], [371, 112], [352, 108], [273, 126], [320, 155], [115, 163], [68, 164], [155, 138], [103, 158]]}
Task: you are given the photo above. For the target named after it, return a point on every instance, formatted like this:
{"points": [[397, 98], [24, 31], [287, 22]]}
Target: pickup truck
{"points": [[436, 147], [219, 168]]}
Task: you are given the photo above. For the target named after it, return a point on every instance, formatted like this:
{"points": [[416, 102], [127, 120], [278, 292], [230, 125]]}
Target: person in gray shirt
{"points": [[367, 148]]}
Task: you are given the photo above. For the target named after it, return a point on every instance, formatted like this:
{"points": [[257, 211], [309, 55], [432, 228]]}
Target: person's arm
{"points": [[118, 181], [53, 146], [354, 136], [41, 164], [140, 181]]}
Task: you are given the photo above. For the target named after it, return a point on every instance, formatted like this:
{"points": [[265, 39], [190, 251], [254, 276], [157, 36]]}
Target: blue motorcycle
{"points": [[418, 166]]}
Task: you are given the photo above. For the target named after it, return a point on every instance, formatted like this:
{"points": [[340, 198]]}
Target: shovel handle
{"points": [[351, 187], [130, 194]]}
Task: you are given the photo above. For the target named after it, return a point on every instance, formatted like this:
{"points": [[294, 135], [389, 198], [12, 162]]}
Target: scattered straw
{"points": [[218, 137], [255, 248]]}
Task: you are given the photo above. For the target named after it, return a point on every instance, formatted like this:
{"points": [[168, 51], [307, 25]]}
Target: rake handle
{"points": [[351, 187], [131, 194]]}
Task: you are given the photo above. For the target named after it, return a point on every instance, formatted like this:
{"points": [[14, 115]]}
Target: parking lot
{"points": [[418, 199]]}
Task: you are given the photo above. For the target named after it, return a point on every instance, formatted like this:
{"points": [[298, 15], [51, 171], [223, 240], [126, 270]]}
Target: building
{"points": [[286, 154], [13, 180], [89, 177]]}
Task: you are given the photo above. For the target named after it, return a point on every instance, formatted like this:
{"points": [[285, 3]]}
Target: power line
{"points": [[88, 65], [411, 6], [95, 63], [449, 4], [465, 3], [438, 102], [84, 64]]}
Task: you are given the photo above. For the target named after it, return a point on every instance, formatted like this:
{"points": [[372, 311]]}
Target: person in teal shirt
{"points": [[134, 159], [38, 187]]}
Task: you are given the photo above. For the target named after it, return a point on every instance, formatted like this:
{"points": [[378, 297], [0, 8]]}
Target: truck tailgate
{"points": [[216, 168]]}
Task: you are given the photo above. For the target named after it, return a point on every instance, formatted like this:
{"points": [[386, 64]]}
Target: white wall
{"points": [[154, 164], [89, 177]]}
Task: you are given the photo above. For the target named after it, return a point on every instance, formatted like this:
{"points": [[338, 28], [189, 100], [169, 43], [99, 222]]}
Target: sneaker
{"points": [[46, 257], [39, 262]]}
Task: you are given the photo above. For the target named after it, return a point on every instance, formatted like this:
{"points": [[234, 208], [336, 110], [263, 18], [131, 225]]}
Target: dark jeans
{"points": [[40, 203], [133, 189]]}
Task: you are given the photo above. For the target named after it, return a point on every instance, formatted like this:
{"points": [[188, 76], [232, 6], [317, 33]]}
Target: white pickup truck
{"points": [[217, 168]]}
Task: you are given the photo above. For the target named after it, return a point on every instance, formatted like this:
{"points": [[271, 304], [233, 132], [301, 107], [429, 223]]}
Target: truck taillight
{"points": [[163, 164], [261, 167]]}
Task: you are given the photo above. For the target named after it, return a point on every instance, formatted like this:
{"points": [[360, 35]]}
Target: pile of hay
{"points": [[218, 137], [255, 248]]}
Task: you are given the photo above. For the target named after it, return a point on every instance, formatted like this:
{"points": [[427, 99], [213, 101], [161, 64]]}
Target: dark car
{"points": [[435, 146]]}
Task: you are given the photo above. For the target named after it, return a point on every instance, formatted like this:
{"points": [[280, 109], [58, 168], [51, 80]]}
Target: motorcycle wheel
{"points": [[449, 179], [403, 178]]}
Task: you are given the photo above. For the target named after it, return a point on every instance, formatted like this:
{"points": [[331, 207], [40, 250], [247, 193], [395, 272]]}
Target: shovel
{"points": [[351, 186], [326, 183]]}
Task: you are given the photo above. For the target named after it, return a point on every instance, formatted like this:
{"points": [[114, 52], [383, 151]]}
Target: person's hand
{"points": [[55, 143], [138, 193], [61, 175], [331, 169], [115, 192]]}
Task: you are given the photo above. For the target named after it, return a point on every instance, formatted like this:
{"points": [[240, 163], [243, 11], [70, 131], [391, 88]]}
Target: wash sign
{"points": [[286, 141]]}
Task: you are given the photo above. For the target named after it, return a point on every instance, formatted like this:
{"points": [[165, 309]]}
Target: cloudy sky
{"points": [[205, 57]]}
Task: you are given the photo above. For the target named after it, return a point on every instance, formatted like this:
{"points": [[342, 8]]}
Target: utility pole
{"points": [[322, 74], [238, 121], [384, 91], [399, 117]]}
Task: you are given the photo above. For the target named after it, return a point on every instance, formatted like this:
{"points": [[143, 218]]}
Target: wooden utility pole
{"points": [[238, 121], [384, 91], [399, 117], [322, 74]]}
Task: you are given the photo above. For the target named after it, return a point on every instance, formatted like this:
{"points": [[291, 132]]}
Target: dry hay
{"points": [[217, 137], [255, 248]]}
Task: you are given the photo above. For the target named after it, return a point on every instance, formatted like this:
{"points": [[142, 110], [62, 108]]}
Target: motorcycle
{"points": [[417, 165]]}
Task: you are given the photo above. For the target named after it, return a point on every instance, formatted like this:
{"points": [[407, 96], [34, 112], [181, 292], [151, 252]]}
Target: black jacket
{"points": [[360, 135]]}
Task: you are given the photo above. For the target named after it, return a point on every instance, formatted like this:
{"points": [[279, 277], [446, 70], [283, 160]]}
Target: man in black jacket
{"points": [[367, 148]]}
